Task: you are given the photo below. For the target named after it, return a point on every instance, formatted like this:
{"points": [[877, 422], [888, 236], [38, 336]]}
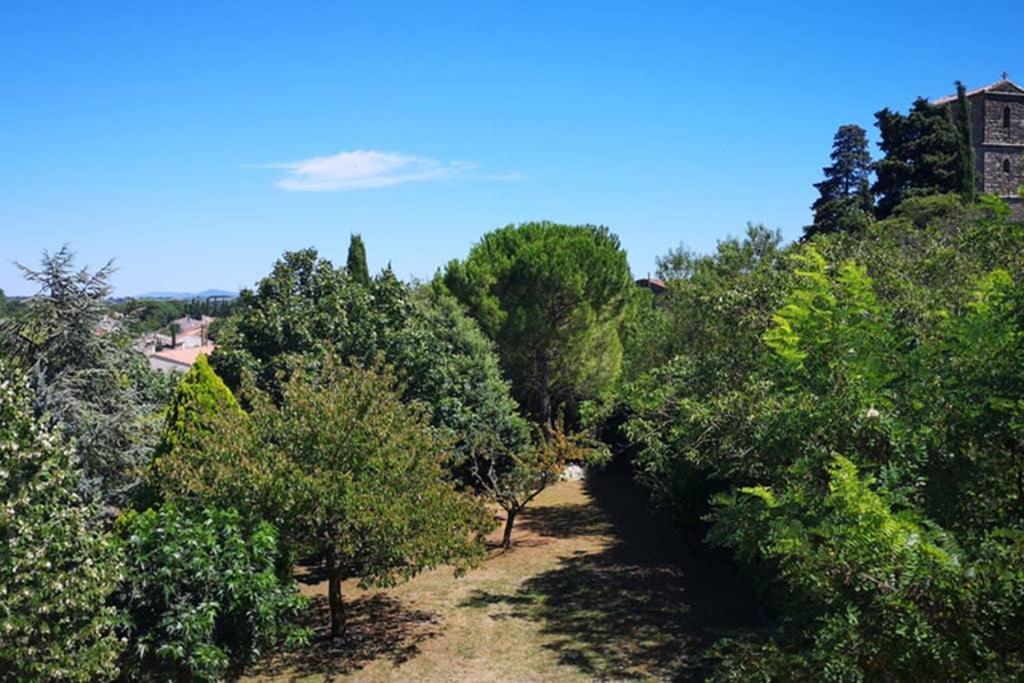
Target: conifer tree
{"points": [[846, 202], [56, 570], [922, 155], [968, 173], [357, 268], [199, 398]]}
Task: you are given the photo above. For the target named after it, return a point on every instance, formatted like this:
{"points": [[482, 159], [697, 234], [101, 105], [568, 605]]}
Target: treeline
{"points": [[927, 151], [355, 421], [845, 416]]}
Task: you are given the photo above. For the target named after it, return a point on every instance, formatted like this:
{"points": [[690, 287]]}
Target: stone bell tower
{"points": [[997, 126]]}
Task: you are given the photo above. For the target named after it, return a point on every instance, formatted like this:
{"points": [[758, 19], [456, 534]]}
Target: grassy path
{"points": [[594, 588]]}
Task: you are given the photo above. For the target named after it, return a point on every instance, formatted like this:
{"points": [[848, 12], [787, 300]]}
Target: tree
{"points": [[356, 265], [199, 397], [201, 593], [513, 480], [306, 309], [553, 298], [967, 170], [95, 387], [846, 202], [57, 571], [347, 471], [922, 155]]}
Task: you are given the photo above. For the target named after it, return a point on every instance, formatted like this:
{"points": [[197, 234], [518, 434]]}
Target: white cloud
{"points": [[363, 169]]}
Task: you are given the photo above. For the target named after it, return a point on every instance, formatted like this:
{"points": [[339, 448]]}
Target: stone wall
{"points": [[995, 131], [997, 180]]}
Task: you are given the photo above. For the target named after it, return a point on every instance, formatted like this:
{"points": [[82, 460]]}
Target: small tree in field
{"points": [[348, 473], [56, 571], [514, 480]]}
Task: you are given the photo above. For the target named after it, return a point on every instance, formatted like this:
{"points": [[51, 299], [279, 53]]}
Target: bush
{"points": [[201, 592], [56, 570]]}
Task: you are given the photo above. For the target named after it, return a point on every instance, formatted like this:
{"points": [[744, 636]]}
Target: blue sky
{"points": [[196, 142]]}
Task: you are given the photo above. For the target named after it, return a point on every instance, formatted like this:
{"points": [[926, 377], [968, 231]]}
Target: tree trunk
{"points": [[334, 596], [506, 538], [544, 379]]}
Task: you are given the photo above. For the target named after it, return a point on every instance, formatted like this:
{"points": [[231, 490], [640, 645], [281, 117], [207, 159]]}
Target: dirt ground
{"points": [[595, 587]]}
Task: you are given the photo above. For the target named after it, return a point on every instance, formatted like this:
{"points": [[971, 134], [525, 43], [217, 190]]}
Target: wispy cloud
{"points": [[365, 169]]}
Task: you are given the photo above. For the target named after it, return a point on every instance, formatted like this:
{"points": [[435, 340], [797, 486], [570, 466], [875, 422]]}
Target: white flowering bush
{"points": [[56, 572]]}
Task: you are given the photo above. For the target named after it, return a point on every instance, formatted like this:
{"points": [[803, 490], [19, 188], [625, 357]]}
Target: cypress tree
{"points": [[968, 173], [199, 398], [357, 268]]}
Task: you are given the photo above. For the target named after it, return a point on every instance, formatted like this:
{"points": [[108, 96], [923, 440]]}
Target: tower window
{"points": [[1006, 165], [1006, 117]]}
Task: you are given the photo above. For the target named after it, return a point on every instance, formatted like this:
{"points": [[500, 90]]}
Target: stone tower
{"points": [[997, 126]]}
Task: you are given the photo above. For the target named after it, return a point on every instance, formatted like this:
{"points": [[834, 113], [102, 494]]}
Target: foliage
{"points": [[199, 397], [897, 348], [513, 480], [922, 155], [965, 152], [356, 263], [553, 298], [56, 571], [306, 309], [202, 593], [845, 202], [347, 471], [100, 392]]}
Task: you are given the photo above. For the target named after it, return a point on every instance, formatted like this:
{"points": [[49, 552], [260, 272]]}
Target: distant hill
{"points": [[185, 296]]}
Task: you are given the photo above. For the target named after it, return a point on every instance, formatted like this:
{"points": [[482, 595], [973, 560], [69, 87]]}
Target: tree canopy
{"points": [[347, 471], [845, 199], [553, 298], [57, 570]]}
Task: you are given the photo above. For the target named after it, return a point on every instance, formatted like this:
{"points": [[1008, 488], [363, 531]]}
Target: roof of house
{"points": [[1005, 86], [184, 357], [654, 284]]}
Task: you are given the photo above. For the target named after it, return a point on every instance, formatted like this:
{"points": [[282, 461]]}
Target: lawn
{"points": [[595, 587]]}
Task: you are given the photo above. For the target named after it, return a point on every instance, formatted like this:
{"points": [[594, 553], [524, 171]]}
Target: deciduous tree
{"points": [[57, 570]]}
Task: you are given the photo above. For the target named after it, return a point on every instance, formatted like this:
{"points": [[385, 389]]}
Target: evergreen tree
{"points": [[554, 299], [198, 399], [846, 202], [968, 173], [357, 268], [56, 570], [922, 155]]}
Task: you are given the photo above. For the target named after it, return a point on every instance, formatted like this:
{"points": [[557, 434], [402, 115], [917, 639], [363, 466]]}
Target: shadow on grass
{"points": [[647, 606], [378, 627], [563, 521]]}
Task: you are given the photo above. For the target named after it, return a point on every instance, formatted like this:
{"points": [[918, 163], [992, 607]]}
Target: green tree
{"points": [[306, 309], [201, 593], [922, 155], [57, 571], [845, 201], [965, 154], [94, 387], [348, 472], [356, 264], [199, 397], [513, 480], [553, 298]]}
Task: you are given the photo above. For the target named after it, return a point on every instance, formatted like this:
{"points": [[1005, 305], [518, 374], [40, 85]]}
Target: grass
{"points": [[595, 587]]}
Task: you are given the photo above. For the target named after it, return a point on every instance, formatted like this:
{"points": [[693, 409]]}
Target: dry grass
{"points": [[594, 588]]}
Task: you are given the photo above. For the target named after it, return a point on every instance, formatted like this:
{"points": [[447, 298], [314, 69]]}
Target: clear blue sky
{"points": [[194, 142]]}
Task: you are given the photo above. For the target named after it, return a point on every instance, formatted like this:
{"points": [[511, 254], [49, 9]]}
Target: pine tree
{"points": [[56, 570], [357, 268], [922, 155], [968, 172], [846, 202]]}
